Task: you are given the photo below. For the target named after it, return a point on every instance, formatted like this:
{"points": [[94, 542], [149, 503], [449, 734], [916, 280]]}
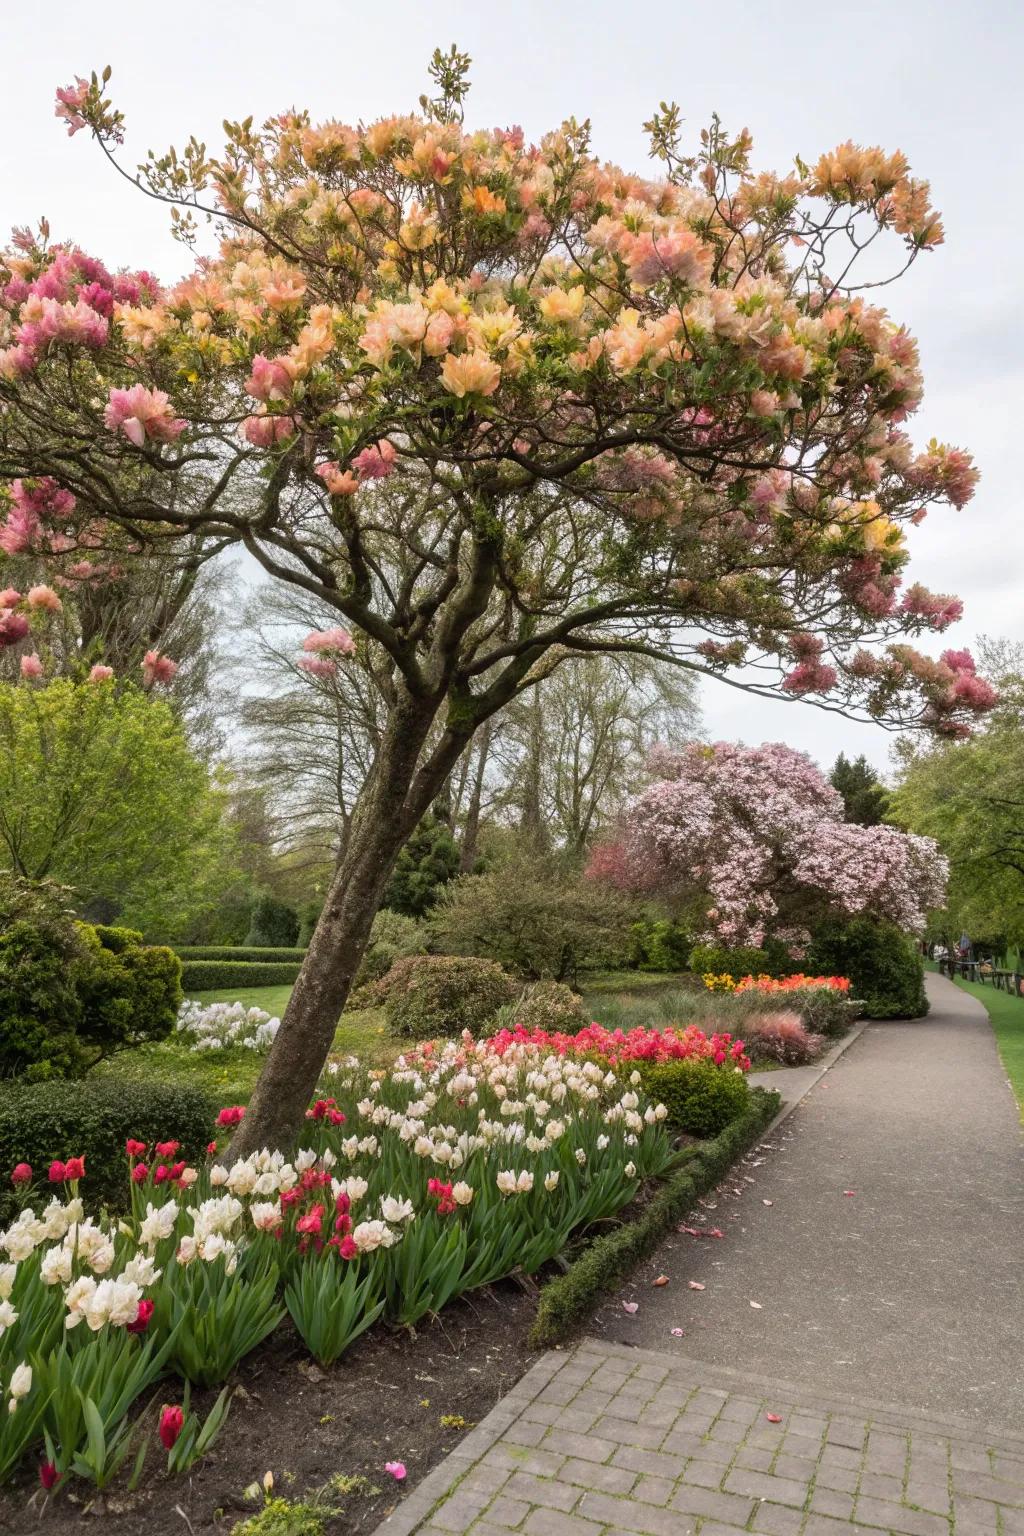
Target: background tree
{"points": [[428, 861], [757, 836], [486, 400], [100, 791], [969, 796], [865, 798]]}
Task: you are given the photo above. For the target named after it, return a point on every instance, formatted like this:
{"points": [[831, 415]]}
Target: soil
{"points": [[383, 1401]]}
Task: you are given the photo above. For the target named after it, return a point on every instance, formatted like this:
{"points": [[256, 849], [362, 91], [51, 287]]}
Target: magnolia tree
{"points": [[757, 836], [495, 403]]}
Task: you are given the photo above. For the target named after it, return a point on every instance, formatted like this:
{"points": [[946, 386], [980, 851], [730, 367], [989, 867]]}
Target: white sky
{"points": [[939, 79]]}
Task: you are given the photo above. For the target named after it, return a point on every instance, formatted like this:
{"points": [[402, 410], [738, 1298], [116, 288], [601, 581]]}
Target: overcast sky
{"points": [[939, 79]]}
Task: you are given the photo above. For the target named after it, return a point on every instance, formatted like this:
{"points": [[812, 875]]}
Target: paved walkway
{"points": [[906, 1290]]}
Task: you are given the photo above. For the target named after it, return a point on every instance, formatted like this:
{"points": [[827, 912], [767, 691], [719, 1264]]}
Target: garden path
{"points": [[880, 1233]]}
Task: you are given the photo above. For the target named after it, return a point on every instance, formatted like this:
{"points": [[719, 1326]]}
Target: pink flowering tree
{"points": [[756, 837], [494, 403]]}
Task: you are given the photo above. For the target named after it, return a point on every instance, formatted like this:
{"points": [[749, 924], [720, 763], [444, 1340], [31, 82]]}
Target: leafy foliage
{"points": [[272, 925], [214, 975], [238, 953], [659, 944], [392, 937], [885, 969], [865, 798], [435, 995], [717, 960], [551, 1006], [425, 865], [701, 1097], [534, 918]]}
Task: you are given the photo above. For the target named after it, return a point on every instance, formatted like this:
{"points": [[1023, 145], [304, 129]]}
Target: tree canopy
{"points": [[865, 798]]}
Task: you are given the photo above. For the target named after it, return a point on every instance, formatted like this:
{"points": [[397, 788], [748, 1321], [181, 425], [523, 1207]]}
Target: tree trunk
{"points": [[471, 826], [381, 826]]}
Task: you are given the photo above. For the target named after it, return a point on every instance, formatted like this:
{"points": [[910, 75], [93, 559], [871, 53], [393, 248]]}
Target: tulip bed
{"points": [[451, 1169]]}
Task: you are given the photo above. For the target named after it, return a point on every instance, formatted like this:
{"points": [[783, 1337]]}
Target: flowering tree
{"points": [[757, 835], [494, 403]]}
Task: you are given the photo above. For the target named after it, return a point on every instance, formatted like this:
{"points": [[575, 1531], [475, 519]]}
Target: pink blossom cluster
{"points": [[72, 301], [321, 650], [757, 834]]}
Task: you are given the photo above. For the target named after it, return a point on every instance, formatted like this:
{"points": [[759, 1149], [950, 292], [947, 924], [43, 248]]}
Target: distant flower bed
{"points": [[640, 1044], [798, 983], [218, 1026], [443, 1173]]}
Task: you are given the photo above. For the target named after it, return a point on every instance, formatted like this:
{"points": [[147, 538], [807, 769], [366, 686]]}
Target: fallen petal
{"points": [[630, 1307], [661, 1280], [716, 1232], [774, 1418], [677, 1333], [756, 1305], [695, 1285], [849, 1191], [767, 1202]]}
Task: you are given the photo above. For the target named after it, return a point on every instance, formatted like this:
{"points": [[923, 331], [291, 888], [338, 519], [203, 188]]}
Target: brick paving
{"points": [[607, 1440]]}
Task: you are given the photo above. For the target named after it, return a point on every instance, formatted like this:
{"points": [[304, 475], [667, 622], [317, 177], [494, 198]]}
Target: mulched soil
{"points": [[383, 1401]]}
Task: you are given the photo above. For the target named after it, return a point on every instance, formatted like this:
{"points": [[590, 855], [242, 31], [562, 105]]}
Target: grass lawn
{"points": [[1006, 1014]]}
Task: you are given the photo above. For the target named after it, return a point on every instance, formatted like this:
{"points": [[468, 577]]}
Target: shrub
{"points": [[43, 1121], [535, 920], [433, 995], [70, 993], [551, 1006], [713, 960], [701, 1097], [885, 970], [215, 975], [237, 952], [782, 1037], [392, 937], [660, 945], [823, 1011], [272, 924], [425, 865]]}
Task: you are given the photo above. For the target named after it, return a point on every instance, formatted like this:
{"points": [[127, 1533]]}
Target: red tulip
{"points": [[135, 1148], [142, 1317], [58, 1172], [74, 1168], [166, 1148], [22, 1174], [171, 1423], [48, 1475], [140, 1173]]}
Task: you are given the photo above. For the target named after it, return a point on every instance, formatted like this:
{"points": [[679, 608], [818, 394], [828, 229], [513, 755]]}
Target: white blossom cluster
{"points": [[218, 1026]]}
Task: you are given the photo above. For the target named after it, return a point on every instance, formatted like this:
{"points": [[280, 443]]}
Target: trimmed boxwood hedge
{"points": [[568, 1302], [238, 952], [93, 1119], [213, 975]]}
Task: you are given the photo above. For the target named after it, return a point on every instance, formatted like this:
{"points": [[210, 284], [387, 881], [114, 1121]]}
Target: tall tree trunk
{"points": [[471, 826], [531, 821], [383, 821]]}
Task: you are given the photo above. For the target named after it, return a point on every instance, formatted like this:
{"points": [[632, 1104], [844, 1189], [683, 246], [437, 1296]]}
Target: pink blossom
{"points": [[157, 669], [264, 431], [317, 666], [13, 627], [377, 461], [70, 100], [10, 597], [140, 413], [397, 1470], [337, 641], [100, 674], [269, 379], [31, 666], [338, 481], [44, 597]]}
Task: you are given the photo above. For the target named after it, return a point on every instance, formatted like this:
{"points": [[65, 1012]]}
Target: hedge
{"points": [[569, 1300], [92, 1119], [236, 952], [213, 975]]}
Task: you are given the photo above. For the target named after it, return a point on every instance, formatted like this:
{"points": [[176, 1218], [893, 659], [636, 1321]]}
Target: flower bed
{"points": [[619, 1046], [444, 1173], [219, 1026], [770, 984]]}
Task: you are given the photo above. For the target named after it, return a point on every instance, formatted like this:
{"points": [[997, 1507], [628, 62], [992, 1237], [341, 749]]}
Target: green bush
{"points": [[215, 975], [238, 953], [273, 924], [433, 995], [885, 970], [392, 937], [772, 960], [552, 1006], [823, 1010], [43, 1121], [701, 1097], [425, 865], [659, 945], [70, 993], [534, 919]]}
